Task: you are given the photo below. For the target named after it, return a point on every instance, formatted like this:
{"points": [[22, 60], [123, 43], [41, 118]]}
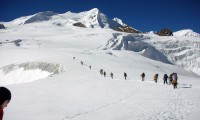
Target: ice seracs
{"points": [[27, 72]]}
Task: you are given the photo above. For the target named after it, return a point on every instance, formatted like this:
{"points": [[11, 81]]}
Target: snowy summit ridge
{"points": [[93, 18], [186, 32], [41, 16]]}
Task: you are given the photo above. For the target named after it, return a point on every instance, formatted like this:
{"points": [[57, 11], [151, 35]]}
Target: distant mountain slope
{"points": [[187, 32], [41, 16]]}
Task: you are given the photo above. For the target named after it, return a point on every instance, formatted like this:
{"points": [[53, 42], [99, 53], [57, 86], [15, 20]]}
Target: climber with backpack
{"points": [[174, 81]]}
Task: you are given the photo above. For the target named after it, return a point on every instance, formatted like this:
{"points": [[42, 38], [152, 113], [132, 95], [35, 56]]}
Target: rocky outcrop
{"points": [[165, 32], [127, 29], [79, 24], [2, 26]]}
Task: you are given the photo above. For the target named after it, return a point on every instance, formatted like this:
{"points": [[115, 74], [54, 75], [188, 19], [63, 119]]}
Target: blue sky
{"points": [[144, 15]]}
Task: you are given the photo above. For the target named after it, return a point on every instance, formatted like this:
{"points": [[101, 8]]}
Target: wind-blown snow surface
{"points": [[187, 32], [78, 93]]}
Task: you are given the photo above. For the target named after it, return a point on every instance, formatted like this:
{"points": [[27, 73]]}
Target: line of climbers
{"points": [[172, 78], [102, 72]]}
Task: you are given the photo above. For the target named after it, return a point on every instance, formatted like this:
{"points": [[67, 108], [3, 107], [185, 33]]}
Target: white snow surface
{"points": [[186, 32], [75, 92]]}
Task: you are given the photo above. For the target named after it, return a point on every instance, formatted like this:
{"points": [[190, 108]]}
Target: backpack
{"points": [[175, 76], [156, 77], [143, 75]]}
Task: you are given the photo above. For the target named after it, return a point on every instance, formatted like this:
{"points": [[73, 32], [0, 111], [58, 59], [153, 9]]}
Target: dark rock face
{"points": [[2, 26], [79, 24], [165, 32], [127, 29]]}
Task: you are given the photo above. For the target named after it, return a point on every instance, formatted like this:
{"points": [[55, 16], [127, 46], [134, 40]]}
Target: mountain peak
{"points": [[94, 18], [94, 10]]}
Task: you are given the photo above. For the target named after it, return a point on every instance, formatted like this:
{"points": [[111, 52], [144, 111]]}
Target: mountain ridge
{"points": [[92, 18], [186, 32]]}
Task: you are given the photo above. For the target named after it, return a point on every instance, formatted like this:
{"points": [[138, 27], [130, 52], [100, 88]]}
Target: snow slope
{"points": [[75, 92], [187, 32]]}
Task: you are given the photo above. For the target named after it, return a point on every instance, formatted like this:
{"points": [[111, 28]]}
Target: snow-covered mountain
{"points": [[93, 18], [40, 64], [187, 32]]}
